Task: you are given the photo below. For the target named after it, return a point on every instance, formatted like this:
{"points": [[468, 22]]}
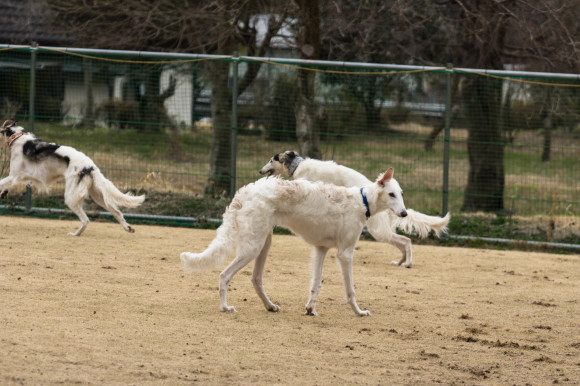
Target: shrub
{"points": [[120, 114]]}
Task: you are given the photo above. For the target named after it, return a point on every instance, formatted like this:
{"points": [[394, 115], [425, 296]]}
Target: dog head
{"points": [[279, 164], [8, 129], [392, 193]]}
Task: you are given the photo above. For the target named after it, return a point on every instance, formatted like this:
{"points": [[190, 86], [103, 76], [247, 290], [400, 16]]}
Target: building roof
{"points": [[27, 21]]}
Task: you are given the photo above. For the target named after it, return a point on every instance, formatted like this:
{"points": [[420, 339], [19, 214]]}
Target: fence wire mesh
{"points": [[500, 150]]}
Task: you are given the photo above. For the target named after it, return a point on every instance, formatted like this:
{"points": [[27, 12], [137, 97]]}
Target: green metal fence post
{"points": [[31, 112], [446, 141], [234, 144]]}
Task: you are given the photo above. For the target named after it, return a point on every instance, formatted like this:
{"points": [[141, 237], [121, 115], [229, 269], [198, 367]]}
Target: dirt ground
{"points": [[116, 308]]}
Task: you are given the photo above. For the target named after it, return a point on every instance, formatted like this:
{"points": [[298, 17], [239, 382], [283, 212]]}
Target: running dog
{"points": [[323, 215], [380, 225], [41, 163]]}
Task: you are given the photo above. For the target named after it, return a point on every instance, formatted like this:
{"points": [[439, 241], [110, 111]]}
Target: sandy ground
{"points": [[116, 308]]}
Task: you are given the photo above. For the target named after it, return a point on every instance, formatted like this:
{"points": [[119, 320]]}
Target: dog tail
{"points": [[111, 195], [419, 223], [218, 249]]}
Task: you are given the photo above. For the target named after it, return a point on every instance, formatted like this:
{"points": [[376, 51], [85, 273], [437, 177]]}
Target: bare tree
{"points": [[477, 21], [212, 27], [467, 33], [309, 43], [548, 41], [488, 35], [376, 31], [541, 34]]}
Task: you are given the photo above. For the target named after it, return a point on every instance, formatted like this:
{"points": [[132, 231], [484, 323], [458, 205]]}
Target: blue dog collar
{"points": [[295, 162], [365, 201]]}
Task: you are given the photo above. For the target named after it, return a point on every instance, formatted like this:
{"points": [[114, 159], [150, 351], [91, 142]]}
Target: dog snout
{"points": [[269, 172], [404, 213]]}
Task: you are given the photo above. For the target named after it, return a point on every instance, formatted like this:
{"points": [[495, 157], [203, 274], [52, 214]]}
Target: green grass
{"points": [[150, 144], [172, 167]]}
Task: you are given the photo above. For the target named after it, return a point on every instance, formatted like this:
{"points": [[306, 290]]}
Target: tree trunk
{"points": [[484, 30], [152, 112], [221, 108], [435, 131], [547, 121], [439, 126], [485, 145], [308, 138], [372, 114]]}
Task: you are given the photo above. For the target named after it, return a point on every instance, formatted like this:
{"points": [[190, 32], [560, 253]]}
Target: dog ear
{"points": [[386, 177], [289, 156], [8, 123]]}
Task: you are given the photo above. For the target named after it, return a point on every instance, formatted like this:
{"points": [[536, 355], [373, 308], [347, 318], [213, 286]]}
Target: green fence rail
{"points": [[498, 149]]}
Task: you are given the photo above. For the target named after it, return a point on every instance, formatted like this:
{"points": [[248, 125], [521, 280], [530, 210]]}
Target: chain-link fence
{"points": [[499, 149]]}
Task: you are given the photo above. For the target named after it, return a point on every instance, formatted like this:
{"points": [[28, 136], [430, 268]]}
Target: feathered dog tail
{"points": [[218, 250], [382, 225], [112, 196], [420, 223]]}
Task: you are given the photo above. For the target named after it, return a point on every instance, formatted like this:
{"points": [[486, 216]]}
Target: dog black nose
{"points": [[404, 213]]}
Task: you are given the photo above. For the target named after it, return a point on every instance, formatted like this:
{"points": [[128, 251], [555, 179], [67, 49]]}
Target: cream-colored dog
{"points": [[382, 226], [324, 215]]}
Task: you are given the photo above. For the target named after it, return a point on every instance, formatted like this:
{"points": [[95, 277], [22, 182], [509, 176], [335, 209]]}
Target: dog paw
{"points": [[130, 230], [406, 265], [395, 262], [273, 308], [74, 234], [364, 313], [3, 193], [227, 309], [311, 311]]}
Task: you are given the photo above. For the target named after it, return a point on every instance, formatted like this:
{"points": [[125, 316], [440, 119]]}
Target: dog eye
{"points": [[392, 195]]}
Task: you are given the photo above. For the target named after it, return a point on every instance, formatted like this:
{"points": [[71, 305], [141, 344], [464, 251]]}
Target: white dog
{"points": [[41, 163], [380, 225], [323, 215]]}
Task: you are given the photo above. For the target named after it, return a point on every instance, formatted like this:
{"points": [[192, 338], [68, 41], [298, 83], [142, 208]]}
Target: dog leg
{"points": [[379, 227], [345, 258], [84, 220], [5, 184], [117, 214], [405, 246], [77, 207], [257, 276], [317, 260], [244, 255]]}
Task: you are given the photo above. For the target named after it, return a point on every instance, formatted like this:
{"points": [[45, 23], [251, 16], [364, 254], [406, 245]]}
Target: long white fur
{"points": [[382, 226], [42, 174], [323, 215]]}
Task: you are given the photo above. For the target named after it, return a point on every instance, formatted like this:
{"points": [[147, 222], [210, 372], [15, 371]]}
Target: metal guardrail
{"points": [[399, 67]]}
